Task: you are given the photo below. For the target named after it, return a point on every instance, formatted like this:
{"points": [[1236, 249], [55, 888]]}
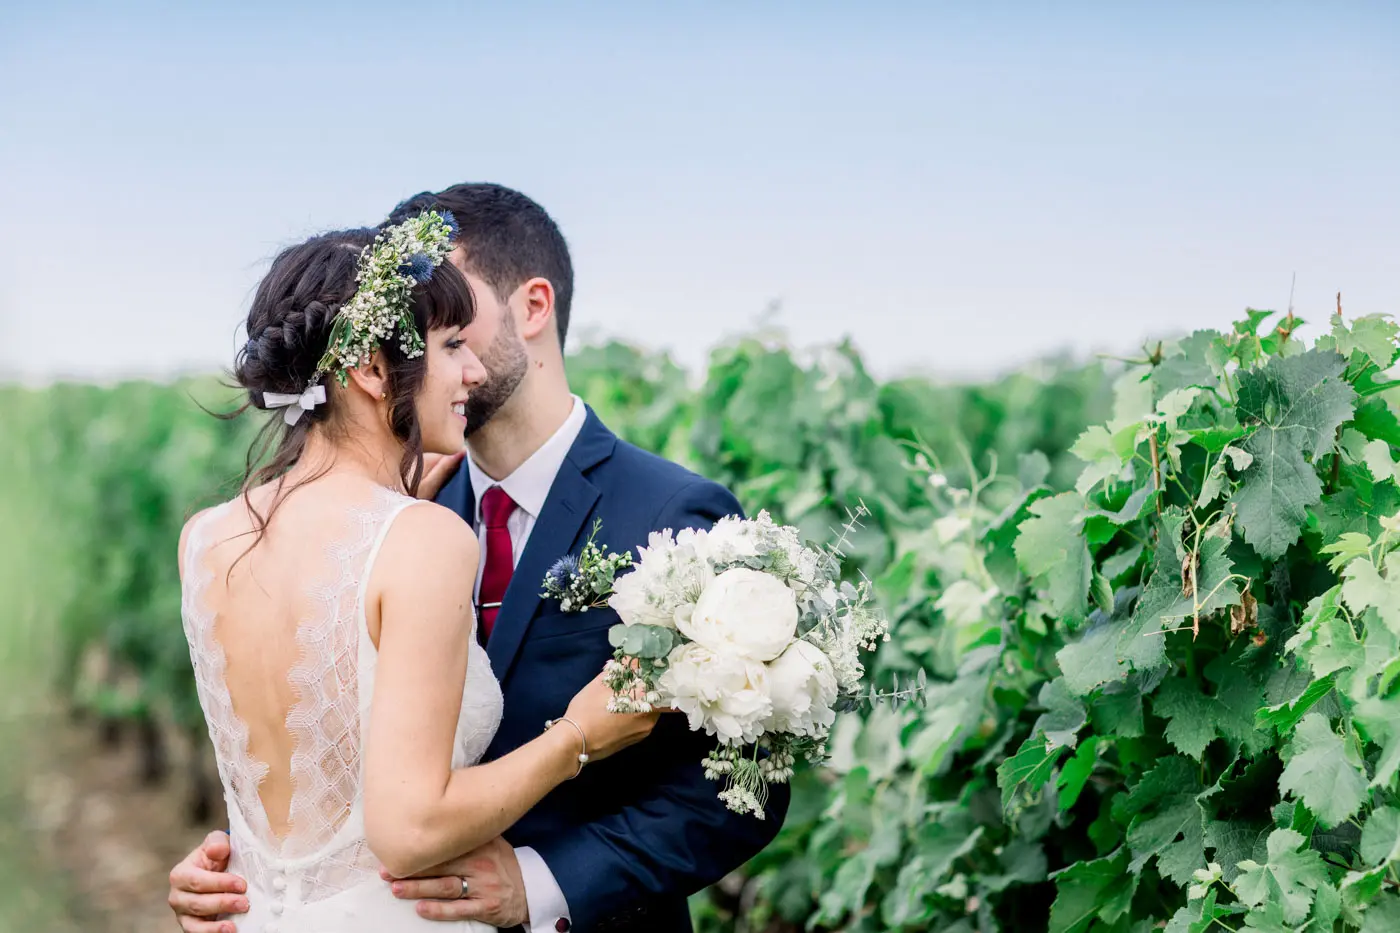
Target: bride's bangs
{"points": [[445, 300]]}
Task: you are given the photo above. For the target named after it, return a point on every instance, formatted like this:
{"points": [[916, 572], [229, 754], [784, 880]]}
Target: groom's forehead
{"points": [[461, 259]]}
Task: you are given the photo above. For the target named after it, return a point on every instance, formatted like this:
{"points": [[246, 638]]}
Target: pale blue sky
{"points": [[962, 187]]}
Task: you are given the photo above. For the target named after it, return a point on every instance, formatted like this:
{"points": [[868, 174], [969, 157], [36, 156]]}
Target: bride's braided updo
{"points": [[289, 326], [289, 322]]}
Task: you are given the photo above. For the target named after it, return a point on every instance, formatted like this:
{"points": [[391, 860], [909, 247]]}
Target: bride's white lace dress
{"points": [[319, 875]]}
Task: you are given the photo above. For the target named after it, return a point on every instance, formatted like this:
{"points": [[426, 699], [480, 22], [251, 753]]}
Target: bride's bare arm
{"points": [[419, 812]]}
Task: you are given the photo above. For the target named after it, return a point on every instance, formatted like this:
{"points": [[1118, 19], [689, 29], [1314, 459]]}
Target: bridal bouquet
{"points": [[752, 635]]}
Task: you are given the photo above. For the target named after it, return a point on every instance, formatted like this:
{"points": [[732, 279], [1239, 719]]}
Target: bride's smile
{"points": [[453, 372]]}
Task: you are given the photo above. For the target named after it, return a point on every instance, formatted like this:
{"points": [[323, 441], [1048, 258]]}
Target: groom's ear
{"points": [[537, 298]]}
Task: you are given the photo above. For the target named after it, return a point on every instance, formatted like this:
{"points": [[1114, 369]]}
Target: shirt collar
{"points": [[528, 486]]}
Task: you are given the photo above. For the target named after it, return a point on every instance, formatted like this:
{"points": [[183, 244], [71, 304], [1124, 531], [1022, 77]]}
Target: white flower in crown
{"points": [[400, 258]]}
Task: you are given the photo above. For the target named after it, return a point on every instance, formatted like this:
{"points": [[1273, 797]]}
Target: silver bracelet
{"points": [[583, 755]]}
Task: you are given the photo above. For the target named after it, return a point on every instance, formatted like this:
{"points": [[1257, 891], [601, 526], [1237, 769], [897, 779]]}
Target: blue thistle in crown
{"points": [[419, 267], [400, 258]]}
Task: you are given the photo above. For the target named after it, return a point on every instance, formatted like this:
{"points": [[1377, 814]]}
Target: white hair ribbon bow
{"points": [[295, 404]]}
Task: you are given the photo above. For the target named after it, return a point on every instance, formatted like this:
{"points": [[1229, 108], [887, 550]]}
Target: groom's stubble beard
{"points": [[506, 363]]}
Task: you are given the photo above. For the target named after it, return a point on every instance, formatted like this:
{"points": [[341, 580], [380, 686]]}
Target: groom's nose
{"points": [[473, 372]]}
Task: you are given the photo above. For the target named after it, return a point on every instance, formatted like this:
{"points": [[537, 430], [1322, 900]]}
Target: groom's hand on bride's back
{"points": [[437, 470], [202, 890]]}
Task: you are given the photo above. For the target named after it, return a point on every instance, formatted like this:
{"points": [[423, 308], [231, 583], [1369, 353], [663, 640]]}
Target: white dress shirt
{"points": [[528, 487]]}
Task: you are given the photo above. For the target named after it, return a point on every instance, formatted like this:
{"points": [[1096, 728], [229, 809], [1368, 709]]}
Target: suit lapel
{"points": [[458, 495], [557, 529]]}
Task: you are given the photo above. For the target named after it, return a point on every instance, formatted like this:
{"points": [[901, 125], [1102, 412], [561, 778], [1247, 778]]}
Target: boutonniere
{"points": [[585, 582]]}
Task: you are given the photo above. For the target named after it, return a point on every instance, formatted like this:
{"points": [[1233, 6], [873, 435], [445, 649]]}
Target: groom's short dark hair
{"points": [[509, 239]]}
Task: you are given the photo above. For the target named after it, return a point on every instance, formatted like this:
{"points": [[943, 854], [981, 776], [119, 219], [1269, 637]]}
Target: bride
{"points": [[329, 614]]}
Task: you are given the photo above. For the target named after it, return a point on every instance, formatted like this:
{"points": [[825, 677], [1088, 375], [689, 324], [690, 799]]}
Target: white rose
{"points": [[723, 694], [802, 683], [744, 612], [667, 577]]}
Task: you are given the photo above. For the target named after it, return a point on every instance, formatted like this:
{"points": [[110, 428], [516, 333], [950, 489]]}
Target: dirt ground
{"points": [[83, 845]]}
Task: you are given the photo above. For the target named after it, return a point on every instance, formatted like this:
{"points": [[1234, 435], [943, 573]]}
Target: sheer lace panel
{"points": [[322, 852], [238, 771], [325, 722], [324, 826]]}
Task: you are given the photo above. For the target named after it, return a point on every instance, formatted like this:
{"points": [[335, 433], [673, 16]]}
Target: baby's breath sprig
{"points": [[585, 582], [633, 685], [400, 258]]}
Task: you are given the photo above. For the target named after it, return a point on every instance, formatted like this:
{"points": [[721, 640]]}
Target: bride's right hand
{"points": [[608, 733]]}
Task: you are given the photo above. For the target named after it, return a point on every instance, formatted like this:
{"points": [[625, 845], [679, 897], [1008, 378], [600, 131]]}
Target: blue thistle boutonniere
{"points": [[584, 582]]}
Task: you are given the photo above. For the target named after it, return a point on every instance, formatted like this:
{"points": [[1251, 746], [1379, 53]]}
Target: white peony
{"points": [[732, 540], [723, 694], [668, 576], [745, 613], [802, 683]]}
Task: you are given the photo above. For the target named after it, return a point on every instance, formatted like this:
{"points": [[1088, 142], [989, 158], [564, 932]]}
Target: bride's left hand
{"points": [[495, 889]]}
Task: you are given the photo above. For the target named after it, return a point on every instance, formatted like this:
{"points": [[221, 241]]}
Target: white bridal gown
{"points": [[320, 876]]}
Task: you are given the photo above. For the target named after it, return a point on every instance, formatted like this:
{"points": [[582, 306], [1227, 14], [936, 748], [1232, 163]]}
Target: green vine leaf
{"points": [[1064, 716], [1364, 587], [1215, 481], [1378, 459], [1233, 841], [1379, 718], [1298, 403], [1380, 837], [1106, 450], [1323, 771], [1372, 335], [1085, 891], [1195, 719], [1382, 916], [1289, 877], [1377, 421], [1027, 770], [1167, 820], [1051, 549]]}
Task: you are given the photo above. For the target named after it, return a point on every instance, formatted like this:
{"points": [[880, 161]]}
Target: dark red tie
{"points": [[496, 507]]}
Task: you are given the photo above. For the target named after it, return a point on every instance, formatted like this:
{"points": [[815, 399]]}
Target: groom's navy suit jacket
{"points": [[637, 832]]}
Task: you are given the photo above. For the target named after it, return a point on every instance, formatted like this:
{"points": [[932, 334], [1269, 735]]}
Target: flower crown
{"points": [[401, 257]]}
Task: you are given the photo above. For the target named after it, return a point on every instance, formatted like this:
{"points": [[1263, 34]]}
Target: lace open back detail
{"points": [[323, 851]]}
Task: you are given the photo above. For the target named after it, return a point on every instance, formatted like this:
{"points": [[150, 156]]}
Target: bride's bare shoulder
{"points": [[430, 538], [185, 536]]}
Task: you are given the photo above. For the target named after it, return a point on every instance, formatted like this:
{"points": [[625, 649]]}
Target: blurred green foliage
{"points": [[115, 471]]}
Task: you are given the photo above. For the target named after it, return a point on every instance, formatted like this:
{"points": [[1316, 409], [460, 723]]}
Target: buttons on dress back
{"points": [[279, 885]]}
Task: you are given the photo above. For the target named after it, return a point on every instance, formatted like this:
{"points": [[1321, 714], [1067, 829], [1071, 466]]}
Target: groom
{"points": [[620, 847]]}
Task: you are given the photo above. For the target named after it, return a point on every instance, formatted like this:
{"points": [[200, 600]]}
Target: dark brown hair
{"points": [[289, 326], [508, 237]]}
